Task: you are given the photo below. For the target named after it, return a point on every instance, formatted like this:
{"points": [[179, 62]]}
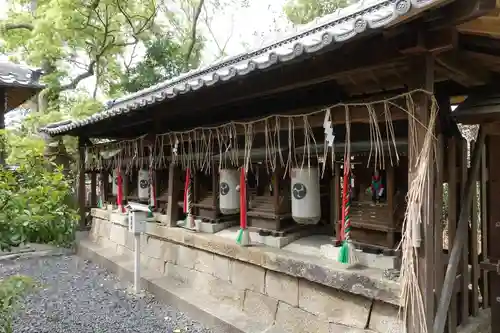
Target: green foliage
{"points": [[164, 59], [304, 11], [35, 205], [12, 290]]}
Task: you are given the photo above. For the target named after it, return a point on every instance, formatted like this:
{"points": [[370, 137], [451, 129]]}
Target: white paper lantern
{"points": [[229, 199], [306, 205], [143, 184]]}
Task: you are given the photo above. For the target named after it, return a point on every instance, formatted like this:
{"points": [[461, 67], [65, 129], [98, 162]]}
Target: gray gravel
{"points": [[78, 296]]}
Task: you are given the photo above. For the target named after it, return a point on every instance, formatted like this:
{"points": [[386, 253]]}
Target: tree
{"points": [[304, 11], [164, 59]]}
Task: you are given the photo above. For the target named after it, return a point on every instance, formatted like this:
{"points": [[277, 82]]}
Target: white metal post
{"points": [[137, 263]]}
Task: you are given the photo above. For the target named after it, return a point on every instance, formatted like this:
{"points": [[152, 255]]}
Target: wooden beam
{"points": [[93, 189], [460, 11], [451, 271], [461, 70]]}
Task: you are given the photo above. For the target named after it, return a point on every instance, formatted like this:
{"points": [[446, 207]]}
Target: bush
{"points": [[12, 290], [35, 206]]}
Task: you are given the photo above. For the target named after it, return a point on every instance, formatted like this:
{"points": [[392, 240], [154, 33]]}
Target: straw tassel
{"points": [[243, 237]]}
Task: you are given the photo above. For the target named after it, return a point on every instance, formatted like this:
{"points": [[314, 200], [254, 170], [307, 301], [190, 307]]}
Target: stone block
{"points": [[181, 274], [282, 287], [156, 265], [186, 256], [154, 248], [247, 276], [222, 267], [130, 241], [170, 252], [122, 250], [260, 306], [333, 305], [118, 234], [226, 293], [105, 229], [119, 219], [294, 320], [384, 318], [204, 262]]}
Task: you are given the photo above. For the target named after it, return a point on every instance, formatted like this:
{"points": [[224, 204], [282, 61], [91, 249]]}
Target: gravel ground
{"points": [[78, 296]]}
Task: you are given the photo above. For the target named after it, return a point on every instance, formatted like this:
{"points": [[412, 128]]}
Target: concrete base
{"points": [[322, 246], [206, 227], [256, 239]]}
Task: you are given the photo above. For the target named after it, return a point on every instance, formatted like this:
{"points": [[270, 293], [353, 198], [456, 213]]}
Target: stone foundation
{"points": [[260, 289]]}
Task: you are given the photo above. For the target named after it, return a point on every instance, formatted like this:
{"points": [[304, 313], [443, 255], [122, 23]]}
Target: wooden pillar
{"points": [[458, 243], [105, 186], [424, 79], [493, 170], [452, 221], [438, 211], [465, 249], [3, 111], [276, 195], [474, 250], [215, 189], [485, 290], [173, 189], [81, 181], [93, 189], [390, 203], [336, 200]]}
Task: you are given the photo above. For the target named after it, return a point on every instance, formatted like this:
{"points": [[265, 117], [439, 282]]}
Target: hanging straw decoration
{"points": [[243, 237], [411, 294]]}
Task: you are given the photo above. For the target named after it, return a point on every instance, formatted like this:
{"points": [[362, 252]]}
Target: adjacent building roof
{"points": [[340, 26], [13, 75]]}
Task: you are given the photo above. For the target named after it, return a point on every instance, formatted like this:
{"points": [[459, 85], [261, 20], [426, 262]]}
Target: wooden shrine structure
{"points": [[17, 85], [382, 76]]}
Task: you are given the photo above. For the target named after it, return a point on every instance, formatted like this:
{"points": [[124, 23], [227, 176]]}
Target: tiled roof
{"points": [[12, 75], [337, 27]]}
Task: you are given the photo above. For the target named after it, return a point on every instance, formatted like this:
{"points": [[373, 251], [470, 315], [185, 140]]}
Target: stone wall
{"points": [[292, 303]]}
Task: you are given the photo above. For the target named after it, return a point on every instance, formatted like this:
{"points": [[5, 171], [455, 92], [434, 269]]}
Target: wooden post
{"points": [[215, 189], [493, 161], [105, 186], [390, 203], [336, 200], [93, 189], [276, 195], [172, 209], [465, 250], [473, 258], [462, 230], [452, 221], [438, 211], [424, 74], [81, 182], [485, 291]]}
